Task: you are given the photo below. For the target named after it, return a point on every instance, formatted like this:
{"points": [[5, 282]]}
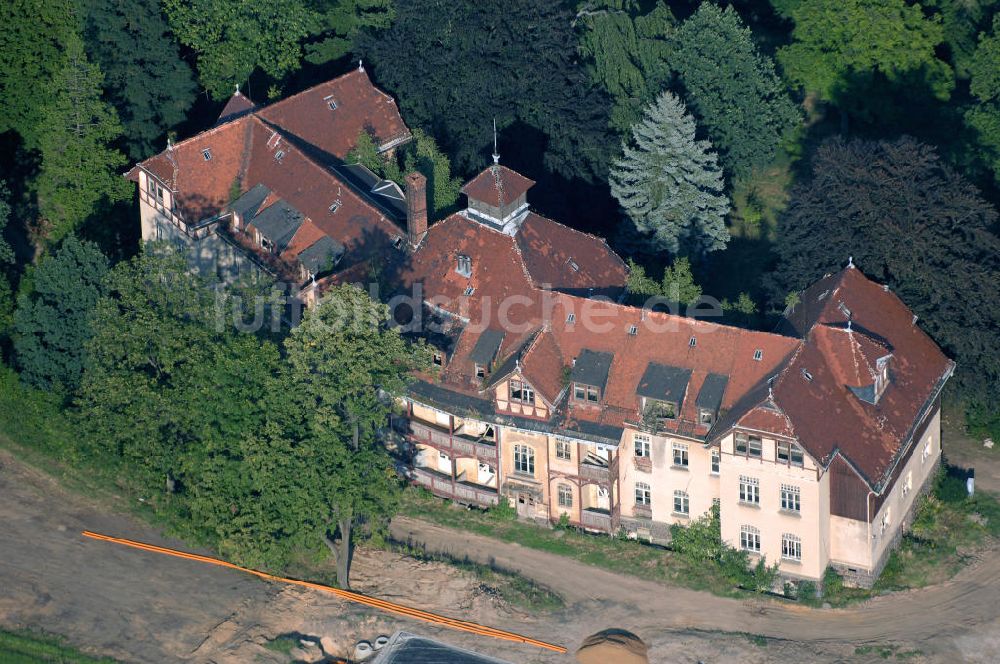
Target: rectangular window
{"points": [[749, 490], [586, 393], [740, 443], [886, 519], [750, 539], [438, 359], [716, 459], [682, 504], [791, 547], [789, 453], [642, 496], [641, 445], [565, 496], [563, 450], [927, 451], [480, 371], [207, 154], [705, 416], [791, 498], [680, 455], [521, 392], [755, 446], [908, 484], [524, 459]]}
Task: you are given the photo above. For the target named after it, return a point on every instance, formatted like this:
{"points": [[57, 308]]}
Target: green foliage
{"points": [[627, 53], [678, 283], [336, 23], [423, 155], [79, 166], [669, 184], [365, 152], [640, 286], [52, 323], [33, 39], [563, 522], [166, 382], [961, 23], [145, 78], [984, 117], [25, 647], [503, 510], [842, 44], [912, 222], [455, 66], [733, 89], [231, 38], [6, 258]]}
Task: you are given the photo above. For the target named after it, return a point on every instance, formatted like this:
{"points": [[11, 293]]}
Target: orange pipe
{"points": [[374, 602]]}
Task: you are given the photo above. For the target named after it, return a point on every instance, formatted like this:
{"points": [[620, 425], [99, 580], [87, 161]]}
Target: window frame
{"points": [[750, 538], [525, 393], [564, 495], [642, 442], [716, 459], [791, 547], [682, 502], [706, 416], [680, 455], [751, 440], [749, 491], [586, 394], [564, 446], [790, 498], [524, 460], [643, 494]]}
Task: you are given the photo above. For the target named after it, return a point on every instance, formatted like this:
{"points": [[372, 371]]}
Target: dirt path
{"points": [[936, 618]]}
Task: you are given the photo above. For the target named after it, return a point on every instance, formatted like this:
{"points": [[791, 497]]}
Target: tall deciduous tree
{"points": [[669, 184], [167, 379], [52, 322], [336, 23], [961, 22], [76, 129], [627, 52], [732, 89], [33, 39], [233, 37], [6, 258], [911, 222], [842, 44], [456, 66], [984, 117], [145, 78]]}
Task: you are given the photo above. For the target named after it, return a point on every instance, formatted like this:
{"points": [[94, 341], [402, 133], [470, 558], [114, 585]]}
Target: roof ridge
{"points": [[201, 134], [278, 103]]}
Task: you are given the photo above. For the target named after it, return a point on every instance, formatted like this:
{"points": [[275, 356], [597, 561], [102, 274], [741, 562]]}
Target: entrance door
{"points": [[525, 505]]}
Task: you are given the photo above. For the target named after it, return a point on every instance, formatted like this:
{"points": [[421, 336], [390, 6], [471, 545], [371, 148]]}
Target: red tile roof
{"points": [[812, 389], [360, 106], [237, 106], [497, 186]]}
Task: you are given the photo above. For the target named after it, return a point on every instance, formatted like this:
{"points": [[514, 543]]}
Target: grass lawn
{"points": [[25, 647]]}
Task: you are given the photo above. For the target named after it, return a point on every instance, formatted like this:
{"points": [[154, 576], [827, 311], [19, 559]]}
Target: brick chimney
{"points": [[416, 207]]}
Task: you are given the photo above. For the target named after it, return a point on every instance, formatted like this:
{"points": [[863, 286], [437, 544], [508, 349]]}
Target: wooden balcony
{"points": [[464, 492], [595, 518], [596, 473], [456, 445]]}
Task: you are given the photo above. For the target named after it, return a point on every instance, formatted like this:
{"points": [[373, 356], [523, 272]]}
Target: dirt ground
{"points": [[143, 607]]}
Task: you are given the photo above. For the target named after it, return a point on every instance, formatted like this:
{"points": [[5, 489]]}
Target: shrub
{"points": [[503, 510], [806, 591], [563, 523]]}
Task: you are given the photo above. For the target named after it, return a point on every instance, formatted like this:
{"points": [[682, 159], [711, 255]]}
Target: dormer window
{"points": [[633, 330], [573, 265], [207, 154], [570, 318], [790, 453], [705, 416], [586, 393], [279, 155], [521, 392], [692, 342], [758, 355], [463, 265], [881, 375], [480, 371], [438, 358], [335, 205]]}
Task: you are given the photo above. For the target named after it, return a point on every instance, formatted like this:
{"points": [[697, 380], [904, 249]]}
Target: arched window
{"points": [[524, 459], [565, 495]]}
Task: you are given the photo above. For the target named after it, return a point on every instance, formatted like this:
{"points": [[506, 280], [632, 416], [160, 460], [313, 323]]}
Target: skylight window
{"points": [[331, 102], [279, 155], [571, 318], [207, 154], [758, 355], [692, 342], [843, 309], [398, 242], [335, 206], [808, 376], [573, 265], [633, 330], [470, 290]]}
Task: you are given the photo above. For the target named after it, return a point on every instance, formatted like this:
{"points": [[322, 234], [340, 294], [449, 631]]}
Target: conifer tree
{"points": [[670, 185], [76, 128], [732, 89]]}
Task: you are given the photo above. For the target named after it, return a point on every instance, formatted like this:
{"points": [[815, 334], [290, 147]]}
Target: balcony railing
{"points": [[592, 471], [456, 444], [444, 486]]}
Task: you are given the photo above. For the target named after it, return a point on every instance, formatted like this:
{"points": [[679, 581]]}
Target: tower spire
{"points": [[496, 153]]}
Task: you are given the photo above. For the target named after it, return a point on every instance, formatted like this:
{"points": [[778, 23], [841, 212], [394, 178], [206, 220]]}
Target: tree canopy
{"points": [[145, 78], [839, 45], [627, 53], [456, 66], [732, 88], [670, 185], [909, 221], [52, 322], [984, 117]]}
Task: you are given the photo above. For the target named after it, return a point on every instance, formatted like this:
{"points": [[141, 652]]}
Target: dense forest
{"points": [[741, 149]]}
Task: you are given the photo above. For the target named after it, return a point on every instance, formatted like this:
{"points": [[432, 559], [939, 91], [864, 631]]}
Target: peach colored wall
{"points": [[539, 409], [539, 443]]}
